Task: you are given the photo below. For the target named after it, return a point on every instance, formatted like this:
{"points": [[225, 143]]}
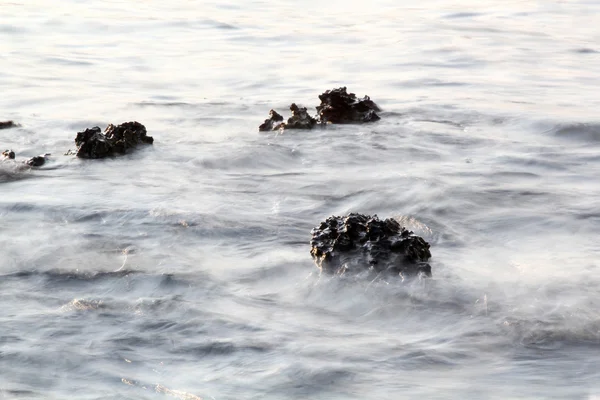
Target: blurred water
{"points": [[183, 270]]}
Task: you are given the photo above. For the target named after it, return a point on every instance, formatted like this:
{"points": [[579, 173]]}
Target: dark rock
{"points": [[8, 154], [357, 243], [37, 161], [92, 143], [273, 123], [339, 107], [7, 124], [119, 139], [300, 118], [127, 135]]}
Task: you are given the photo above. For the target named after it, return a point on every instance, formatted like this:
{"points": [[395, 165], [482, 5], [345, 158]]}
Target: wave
{"points": [[589, 132], [13, 172], [63, 276], [551, 335]]}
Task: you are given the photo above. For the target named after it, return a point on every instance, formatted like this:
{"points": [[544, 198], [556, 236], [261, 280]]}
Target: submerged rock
{"points": [[337, 107], [37, 161], [119, 139], [357, 243], [7, 124], [8, 154], [340, 107]]}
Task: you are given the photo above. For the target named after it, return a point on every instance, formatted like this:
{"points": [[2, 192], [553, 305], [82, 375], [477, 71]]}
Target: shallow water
{"points": [[183, 270]]}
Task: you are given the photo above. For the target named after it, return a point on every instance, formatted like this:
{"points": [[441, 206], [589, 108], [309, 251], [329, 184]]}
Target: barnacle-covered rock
{"points": [[357, 243], [116, 139], [340, 107]]}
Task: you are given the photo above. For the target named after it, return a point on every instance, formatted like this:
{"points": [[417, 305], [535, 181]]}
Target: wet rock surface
{"points": [[7, 124], [116, 139], [357, 243], [340, 107], [337, 107]]}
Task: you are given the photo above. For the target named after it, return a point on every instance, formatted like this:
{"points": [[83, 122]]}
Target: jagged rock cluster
{"points": [[337, 107], [300, 119], [119, 139], [92, 143], [357, 243]]}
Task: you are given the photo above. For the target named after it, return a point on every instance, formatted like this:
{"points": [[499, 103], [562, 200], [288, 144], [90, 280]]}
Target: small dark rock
{"points": [[300, 118], [357, 243], [8, 154], [37, 161], [273, 123], [7, 124], [116, 139], [339, 107]]}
